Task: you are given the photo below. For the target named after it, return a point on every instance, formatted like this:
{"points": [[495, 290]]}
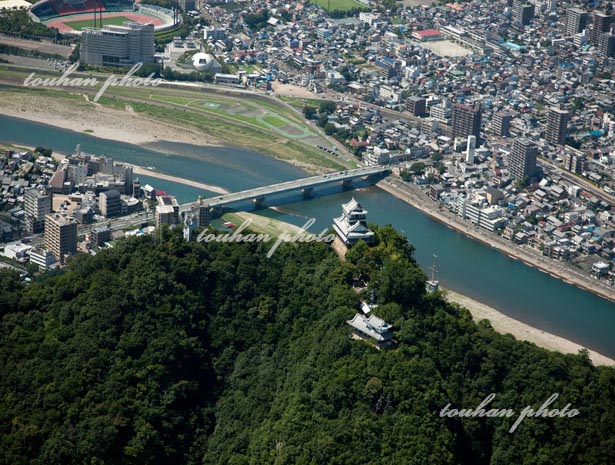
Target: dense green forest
{"points": [[211, 353], [18, 22]]}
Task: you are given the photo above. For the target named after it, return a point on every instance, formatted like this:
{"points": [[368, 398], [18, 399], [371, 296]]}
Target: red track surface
{"points": [[61, 25]]}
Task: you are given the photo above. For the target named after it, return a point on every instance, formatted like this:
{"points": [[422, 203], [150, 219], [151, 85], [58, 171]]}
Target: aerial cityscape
{"points": [[438, 179]]}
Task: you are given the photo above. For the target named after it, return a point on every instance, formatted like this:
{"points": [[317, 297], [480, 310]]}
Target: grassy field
{"points": [[80, 24], [342, 5], [255, 113], [243, 135], [256, 123], [5, 146], [299, 102], [211, 102], [274, 121], [261, 224]]}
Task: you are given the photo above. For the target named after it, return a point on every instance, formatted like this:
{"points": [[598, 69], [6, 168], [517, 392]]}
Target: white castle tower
{"points": [[352, 225]]}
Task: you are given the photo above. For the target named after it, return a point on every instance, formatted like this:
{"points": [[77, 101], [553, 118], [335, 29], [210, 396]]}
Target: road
{"points": [[304, 183], [570, 177], [139, 218]]}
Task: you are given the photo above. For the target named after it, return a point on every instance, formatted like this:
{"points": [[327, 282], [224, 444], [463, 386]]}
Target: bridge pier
{"points": [[306, 186], [203, 215], [259, 202], [215, 212], [308, 192], [374, 178]]}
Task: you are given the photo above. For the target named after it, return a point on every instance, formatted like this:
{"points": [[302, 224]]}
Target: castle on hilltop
{"points": [[352, 225]]}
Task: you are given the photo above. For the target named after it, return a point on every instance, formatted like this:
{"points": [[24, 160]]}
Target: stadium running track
{"points": [[60, 25]]}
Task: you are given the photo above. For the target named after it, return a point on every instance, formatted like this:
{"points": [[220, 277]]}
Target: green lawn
{"points": [[341, 5], [172, 99], [274, 121], [80, 24], [252, 137], [261, 224], [260, 132], [275, 116]]}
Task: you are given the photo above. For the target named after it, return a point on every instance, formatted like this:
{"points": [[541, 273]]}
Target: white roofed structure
{"points": [[372, 329], [352, 225]]}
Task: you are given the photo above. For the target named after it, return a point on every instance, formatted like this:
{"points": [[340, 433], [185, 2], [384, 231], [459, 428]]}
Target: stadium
{"points": [[71, 16]]}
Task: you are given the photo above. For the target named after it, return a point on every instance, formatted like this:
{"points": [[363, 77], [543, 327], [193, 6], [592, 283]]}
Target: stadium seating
{"points": [[44, 10], [49, 8], [70, 7]]}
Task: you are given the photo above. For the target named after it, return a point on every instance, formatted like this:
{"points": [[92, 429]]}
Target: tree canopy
{"points": [[211, 353]]}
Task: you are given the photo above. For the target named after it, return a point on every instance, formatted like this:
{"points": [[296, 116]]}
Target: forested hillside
{"points": [[186, 353]]}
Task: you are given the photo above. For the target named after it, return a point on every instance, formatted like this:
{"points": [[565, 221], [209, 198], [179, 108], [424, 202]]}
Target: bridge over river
{"points": [[305, 185]]}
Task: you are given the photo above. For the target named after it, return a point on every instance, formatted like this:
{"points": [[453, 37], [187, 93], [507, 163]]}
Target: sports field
{"points": [[341, 5], [79, 21], [113, 21]]}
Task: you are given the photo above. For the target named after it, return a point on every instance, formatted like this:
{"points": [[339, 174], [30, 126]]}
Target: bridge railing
{"points": [[289, 185]]}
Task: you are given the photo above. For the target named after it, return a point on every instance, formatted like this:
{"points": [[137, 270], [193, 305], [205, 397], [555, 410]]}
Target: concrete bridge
{"points": [[305, 185]]}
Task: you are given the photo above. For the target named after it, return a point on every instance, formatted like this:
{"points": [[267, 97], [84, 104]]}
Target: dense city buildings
{"points": [[413, 87]]}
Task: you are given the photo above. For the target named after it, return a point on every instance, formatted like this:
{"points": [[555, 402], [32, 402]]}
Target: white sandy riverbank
{"points": [[504, 324], [81, 115]]}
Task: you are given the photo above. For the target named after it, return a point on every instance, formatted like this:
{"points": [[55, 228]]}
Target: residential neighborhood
{"points": [[501, 113]]}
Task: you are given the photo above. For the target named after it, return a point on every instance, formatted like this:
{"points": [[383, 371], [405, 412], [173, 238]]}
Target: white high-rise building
{"points": [[551, 6], [576, 21], [37, 204], [608, 125], [471, 150]]}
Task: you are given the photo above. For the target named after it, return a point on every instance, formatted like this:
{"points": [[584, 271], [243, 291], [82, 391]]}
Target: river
{"points": [[466, 266]]}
